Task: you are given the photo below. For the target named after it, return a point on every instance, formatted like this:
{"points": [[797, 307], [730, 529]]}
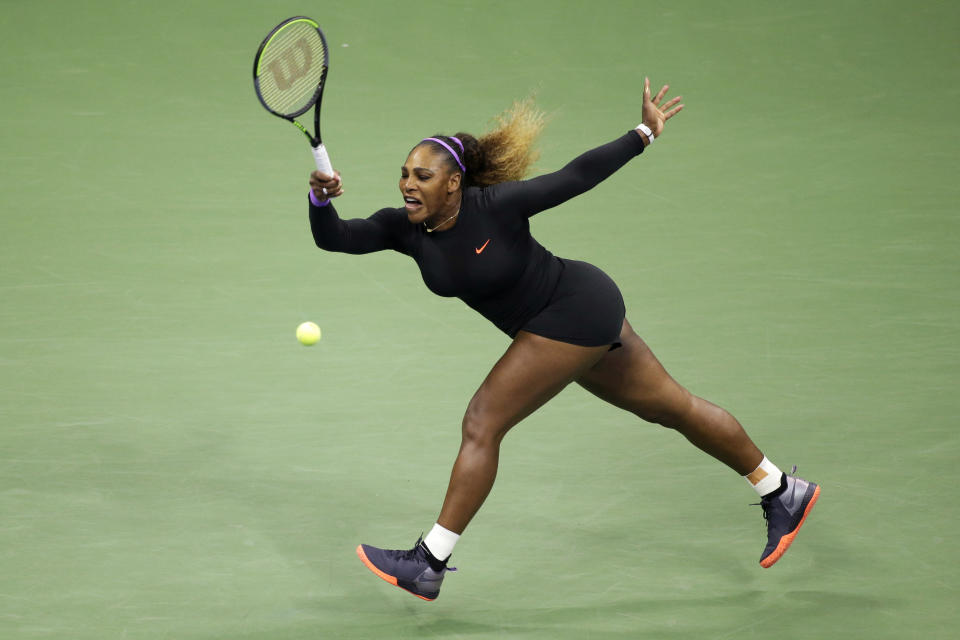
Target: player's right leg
{"points": [[533, 370]]}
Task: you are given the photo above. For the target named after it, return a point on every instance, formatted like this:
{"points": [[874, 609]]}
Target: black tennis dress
{"points": [[491, 262]]}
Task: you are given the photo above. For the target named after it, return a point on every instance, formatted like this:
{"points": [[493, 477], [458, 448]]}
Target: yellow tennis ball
{"points": [[308, 333]]}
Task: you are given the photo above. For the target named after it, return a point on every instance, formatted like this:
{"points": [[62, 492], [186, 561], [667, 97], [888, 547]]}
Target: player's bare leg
{"points": [[632, 378], [530, 372], [533, 370]]}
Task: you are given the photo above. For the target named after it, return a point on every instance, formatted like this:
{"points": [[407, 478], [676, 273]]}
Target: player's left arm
{"points": [[593, 167], [579, 176]]}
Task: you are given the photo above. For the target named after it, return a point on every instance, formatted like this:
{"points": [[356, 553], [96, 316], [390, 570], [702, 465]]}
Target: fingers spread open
{"points": [[661, 93], [673, 112], [672, 102]]}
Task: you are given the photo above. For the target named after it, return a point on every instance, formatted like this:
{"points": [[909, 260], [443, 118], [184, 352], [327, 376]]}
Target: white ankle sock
{"points": [[441, 541], [765, 478]]}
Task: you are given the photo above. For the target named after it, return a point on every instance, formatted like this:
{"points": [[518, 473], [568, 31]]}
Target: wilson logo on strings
{"points": [[296, 69]]}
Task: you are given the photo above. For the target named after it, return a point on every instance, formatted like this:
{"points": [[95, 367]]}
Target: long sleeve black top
{"points": [[488, 259]]}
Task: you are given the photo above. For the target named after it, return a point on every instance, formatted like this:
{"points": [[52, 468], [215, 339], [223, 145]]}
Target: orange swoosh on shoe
{"points": [[480, 250]]}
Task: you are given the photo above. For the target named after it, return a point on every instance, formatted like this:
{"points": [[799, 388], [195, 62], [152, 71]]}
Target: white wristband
{"points": [[647, 131]]}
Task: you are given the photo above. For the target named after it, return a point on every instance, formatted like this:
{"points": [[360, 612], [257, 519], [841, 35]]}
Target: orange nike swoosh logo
{"points": [[480, 250]]}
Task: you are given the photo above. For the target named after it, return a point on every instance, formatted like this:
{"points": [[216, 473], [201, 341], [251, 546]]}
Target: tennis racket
{"points": [[289, 72]]}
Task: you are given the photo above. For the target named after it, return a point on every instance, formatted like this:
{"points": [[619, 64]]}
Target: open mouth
{"points": [[411, 203]]}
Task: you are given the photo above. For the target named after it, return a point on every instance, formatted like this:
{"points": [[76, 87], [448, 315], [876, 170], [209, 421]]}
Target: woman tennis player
{"points": [[465, 221]]}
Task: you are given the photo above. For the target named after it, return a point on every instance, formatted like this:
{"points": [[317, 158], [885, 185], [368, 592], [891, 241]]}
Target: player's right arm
{"points": [[346, 236], [350, 236]]}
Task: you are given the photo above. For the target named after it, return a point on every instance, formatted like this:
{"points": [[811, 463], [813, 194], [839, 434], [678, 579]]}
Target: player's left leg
{"points": [[633, 379]]}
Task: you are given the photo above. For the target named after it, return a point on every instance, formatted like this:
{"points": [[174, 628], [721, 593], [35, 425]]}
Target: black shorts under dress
{"points": [[586, 308]]}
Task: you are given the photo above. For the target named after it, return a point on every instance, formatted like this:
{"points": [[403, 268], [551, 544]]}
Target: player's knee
{"points": [[479, 428], [667, 412], [655, 416]]}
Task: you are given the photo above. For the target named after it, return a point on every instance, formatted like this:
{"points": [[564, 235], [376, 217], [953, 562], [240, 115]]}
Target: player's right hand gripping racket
{"points": [[288, 74]]}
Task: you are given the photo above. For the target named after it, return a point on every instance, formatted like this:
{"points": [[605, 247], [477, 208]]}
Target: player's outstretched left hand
{"points": [[324, 186], [656, 115]]}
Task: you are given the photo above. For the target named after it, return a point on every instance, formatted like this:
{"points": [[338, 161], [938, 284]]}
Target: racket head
{"points": [[290, 67]]}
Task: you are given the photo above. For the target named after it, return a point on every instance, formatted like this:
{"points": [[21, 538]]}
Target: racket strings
{"points": [[291, 68]]}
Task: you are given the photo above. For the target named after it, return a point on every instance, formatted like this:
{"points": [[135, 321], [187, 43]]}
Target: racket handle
{"points": [[323, 159]]}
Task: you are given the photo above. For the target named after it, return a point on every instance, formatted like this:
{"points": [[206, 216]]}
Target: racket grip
{"points": [[322, 159]]}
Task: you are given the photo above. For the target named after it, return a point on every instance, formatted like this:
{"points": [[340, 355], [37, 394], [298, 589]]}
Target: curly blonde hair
{"points": [[504, 154]]}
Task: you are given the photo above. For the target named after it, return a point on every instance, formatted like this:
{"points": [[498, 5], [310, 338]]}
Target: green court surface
{"points": [[173, 464]]}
